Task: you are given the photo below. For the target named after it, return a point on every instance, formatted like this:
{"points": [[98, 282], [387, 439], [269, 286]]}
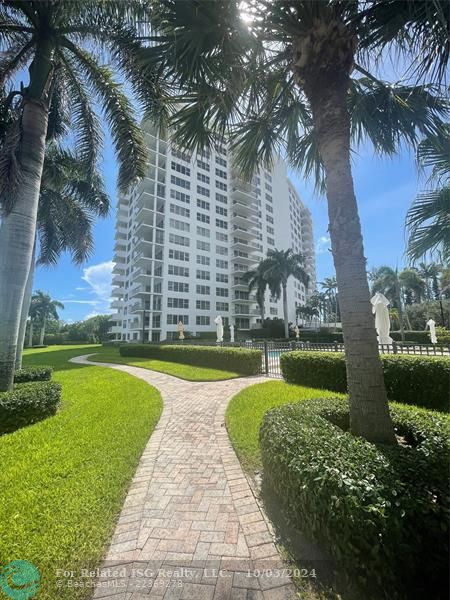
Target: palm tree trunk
{"points": [[285, 311], [42, 334], [17, 234], [369, 411], [30, 335], [25, 310]]}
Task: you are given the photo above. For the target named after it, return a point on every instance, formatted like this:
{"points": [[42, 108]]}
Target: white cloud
{"points": [[99, 278], [92, 302], [323, 244]]}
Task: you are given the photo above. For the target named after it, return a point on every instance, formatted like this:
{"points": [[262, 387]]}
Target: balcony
{"points": [[139, 306], [139, 290], [141, 274]]}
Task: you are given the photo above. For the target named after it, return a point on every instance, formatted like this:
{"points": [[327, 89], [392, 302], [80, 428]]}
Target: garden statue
{"points": [[382, 323], [297, 332], [219, 328], [180, 329], [432, 325], [231, 333]]}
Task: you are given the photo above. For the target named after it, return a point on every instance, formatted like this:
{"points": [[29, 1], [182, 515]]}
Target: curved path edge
{"points": [[190, 526]]}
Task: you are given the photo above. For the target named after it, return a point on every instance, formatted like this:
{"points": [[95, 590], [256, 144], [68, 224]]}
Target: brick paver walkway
{"points": [[190, 527]]}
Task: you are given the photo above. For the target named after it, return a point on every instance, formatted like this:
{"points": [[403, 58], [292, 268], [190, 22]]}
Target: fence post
{"points": [[336, 347], [394, 347], [266, 357]]}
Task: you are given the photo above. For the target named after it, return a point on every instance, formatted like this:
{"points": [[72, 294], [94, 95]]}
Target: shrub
{"points": [[443, 335], [28, 403], [28, 374], [419, 337], [381, 512], [238, 360], [420, 380]]}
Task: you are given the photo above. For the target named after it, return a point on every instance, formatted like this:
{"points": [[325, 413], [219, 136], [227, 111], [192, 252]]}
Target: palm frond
{"points": [[10, 169], [434, 151]]}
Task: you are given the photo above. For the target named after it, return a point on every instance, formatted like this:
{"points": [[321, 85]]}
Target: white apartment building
{"points": [[186, 235]]}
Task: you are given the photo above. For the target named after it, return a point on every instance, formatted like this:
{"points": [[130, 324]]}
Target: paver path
{"points": [[190, 527]]}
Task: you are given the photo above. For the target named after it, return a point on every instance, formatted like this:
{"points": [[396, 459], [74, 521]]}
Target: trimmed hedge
{"points": [[419, 337], [238, 360], [420, 380], [382, 513], [28, 403], [28, 374]]}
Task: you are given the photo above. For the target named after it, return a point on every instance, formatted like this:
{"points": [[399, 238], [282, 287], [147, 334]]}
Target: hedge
{"points": [[420, 380], [238, 360], [382, 513], [28, 403], [28, 374]]}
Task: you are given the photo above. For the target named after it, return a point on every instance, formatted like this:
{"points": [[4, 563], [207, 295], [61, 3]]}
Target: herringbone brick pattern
{"points": [[190, 527]]}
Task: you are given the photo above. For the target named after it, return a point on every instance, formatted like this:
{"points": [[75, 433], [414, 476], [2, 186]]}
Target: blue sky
{"points": [[385, 188]]}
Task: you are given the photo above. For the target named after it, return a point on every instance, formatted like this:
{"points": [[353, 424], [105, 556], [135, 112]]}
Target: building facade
{"points": [[186, 235]]}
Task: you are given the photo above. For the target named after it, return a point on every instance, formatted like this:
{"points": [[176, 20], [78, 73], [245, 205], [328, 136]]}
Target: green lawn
{"points": [[63, 480], [246, 411], [188, 372]]}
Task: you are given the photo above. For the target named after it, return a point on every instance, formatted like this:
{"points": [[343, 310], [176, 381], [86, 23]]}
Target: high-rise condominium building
{"points": [[189, 231]]}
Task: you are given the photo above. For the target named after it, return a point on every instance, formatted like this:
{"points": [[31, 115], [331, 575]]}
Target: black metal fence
{"points": [[271, 351]]}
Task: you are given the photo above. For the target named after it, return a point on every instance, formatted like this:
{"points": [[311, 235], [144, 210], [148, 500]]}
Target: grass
{"points": [[63, 480], [246, 410], [187, 372]]}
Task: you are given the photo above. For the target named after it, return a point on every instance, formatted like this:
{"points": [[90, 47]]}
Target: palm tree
{"points": [[329, 286], [430, 274], [44, 308], [256, 280], [278, 267], [70, 198], [279, 78], [428, 219], [34, 319], [412, 285], [60, 43]]}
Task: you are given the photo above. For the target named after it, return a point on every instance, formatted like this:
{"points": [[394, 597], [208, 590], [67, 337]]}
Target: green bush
{"points": [[28, 403], [238, 360], [419, 337], [28, 374], [382, 513], [420, 380], [443, 335]]}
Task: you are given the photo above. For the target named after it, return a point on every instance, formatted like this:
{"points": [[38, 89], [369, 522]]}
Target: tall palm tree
{"points": [[33, 313], [329, 286], [430, 274], [279, 266], [428, 219], [70, 199], [45, 308], [60, 43], [256, 280], [412, 284], [289, 76]]}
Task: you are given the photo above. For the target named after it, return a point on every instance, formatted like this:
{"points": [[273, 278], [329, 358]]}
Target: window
{"points": [[268, 187], [178, 286], [221, 186], [222, 250], [178, 239], [270, 230], [180, 271], [177, 303], [221, 198], [203, 178], [222, 306], [203, 305], [203, 231], [221, 211], [181, 155], [202, 191], [179, 255], [273, 310], [202, 320], [203, 260], [203, 218], [269, 219], [221, 224], [221, 161], [176, 195], [203, 165], [270, 241], [203, 204], [203, 290], [221, 173], [269, 208], [203, 275], [223, 292], [221, 237], [175, 319], [269, 197], [180, 210], [181, 169], [181, 225], [180, 182], [221, 278], [203, 246], [221, 264]]}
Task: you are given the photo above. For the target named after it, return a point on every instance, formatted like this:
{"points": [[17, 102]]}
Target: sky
{"points": [[385, 188]]}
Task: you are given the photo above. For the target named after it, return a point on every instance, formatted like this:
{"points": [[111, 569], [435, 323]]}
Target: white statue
{"points": [[180, 329], [297, 332], [432, 325], [382, 322], [219, 328], [231, 333]]}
